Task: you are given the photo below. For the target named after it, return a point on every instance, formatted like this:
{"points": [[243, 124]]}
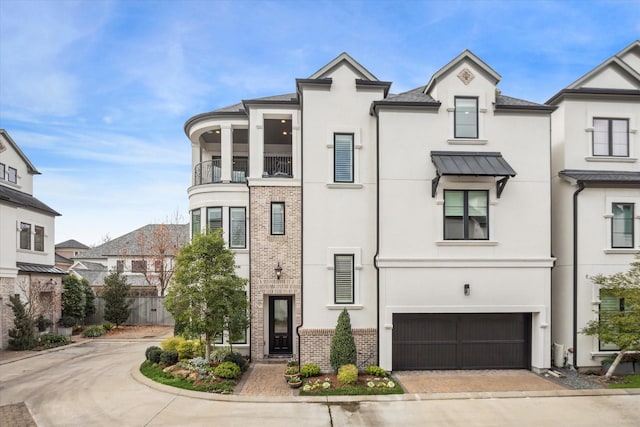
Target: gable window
{"points": [[238, 228], [610, 306], [38, 241], [466, 215], [138, 266], [12, 176], [611, 137], [277, 218], [343, 157], [622, 225], [466, 117], [25, 235], [195, 222], [343, 279], [214, 219], [2, 171]]}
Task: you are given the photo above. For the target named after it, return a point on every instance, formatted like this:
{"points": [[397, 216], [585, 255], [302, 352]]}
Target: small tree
{"points": [[620, 327], [21, 337], [89, 299], [73, 298], [343, 346], [206, 296], [117, 303]]}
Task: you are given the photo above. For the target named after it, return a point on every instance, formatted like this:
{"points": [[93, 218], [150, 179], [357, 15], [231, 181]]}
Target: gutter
{"points": [[301, 224], [249, 290], [575, 272], [375, 256]]}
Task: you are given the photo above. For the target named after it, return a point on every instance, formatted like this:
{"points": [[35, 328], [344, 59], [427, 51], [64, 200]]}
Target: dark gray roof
{"points": [[128, 243], [19, 198], [594, 91], [32, 169], [39, 268], [503, 101], [71, 244], [414, 95], [63, 260], [590, 177], [287, 97], [471, 163]]}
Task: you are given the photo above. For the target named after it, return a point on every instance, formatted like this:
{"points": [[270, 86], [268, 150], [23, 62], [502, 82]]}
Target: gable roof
{"points": [[32, 169], [24, 200], [343, 58], [465, 55], [71, 244]]}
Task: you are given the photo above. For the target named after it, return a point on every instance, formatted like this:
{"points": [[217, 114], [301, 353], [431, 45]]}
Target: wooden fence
{"points": [[144, 311]]}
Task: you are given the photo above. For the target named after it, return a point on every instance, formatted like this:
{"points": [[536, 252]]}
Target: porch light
{"points": [[278, 270]]}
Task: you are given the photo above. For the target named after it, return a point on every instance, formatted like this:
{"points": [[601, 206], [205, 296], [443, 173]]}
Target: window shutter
{"points": [[343, 148], [343, 271]]}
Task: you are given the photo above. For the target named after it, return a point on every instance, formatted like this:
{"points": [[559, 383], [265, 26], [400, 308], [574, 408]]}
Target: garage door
{"points": [[461, 341]]}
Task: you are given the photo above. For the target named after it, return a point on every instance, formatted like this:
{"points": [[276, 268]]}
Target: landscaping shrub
{"points": [[154, 355], [21, 337], [375, 371], [169, 357], [67, 322], [43, 323], [189, 349], [343, 346], [94, 331], [149, 350], [219, 354], [49, 339], [172, 343], [238, 359], [309, 370], [107, 326], [227, 370], [348, 374]]}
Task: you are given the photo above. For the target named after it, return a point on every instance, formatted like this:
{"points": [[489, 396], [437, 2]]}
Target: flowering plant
{"points": [[317, 383], [380, 382]]}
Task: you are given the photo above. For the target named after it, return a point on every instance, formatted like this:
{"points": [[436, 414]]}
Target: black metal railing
{"points": [[240, 169], [277, 165], [207, 172]]}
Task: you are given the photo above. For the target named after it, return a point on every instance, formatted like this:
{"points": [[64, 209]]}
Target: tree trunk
{"points": [[207, 347], [615, 364]]}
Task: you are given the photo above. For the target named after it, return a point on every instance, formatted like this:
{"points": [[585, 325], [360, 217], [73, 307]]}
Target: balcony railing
{"points": [[277, 165], [240, 169], [207, 172]]}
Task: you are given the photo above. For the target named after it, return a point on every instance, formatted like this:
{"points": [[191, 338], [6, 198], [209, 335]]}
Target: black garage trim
{"points": [[461, 341]]}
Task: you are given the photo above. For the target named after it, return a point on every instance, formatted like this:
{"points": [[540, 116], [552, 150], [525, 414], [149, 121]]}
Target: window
{"points": [[466, 215], [214, 219], [138, 266], [38, 243], [466, 117], [343, 279], [343, 157], [611, 137], [613, 305], [158, 265], [25, 235], [238, 228], [2, 171], [277, 218], [622, 225], [12, 176], [195, 222], [120, 266]]}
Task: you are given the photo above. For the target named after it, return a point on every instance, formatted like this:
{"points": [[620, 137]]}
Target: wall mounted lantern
{"points": [[278, 271], [467, 290]]}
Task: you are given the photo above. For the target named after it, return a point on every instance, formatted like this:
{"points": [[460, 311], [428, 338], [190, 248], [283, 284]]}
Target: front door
{"points": [[280, 325]]}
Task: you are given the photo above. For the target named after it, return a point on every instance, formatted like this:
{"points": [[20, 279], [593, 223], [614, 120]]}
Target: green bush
{"points": [[43, 323], [149, 350], [169, 357], [107, 326], [309, 370], [48, 339], [236, 358], [376, 371], [188, 349], [219, 354], [172, 343], [154, 355], [21, 337], [348, 374], [227, 370], [94, 331], [343, 346], [67, 322]]}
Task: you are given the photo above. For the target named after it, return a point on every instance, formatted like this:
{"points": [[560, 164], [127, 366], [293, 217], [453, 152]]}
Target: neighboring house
{"points": [[27, 235], [144, 256], [409, 210], [596, 197], [66, 251]]}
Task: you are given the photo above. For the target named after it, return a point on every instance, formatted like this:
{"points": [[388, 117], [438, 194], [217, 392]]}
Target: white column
{"points": [[226, 153]]}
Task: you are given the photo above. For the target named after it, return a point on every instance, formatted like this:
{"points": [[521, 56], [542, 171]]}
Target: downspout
{"points": [[250, 274], [575, 273], [301, 227], [375, 256]]}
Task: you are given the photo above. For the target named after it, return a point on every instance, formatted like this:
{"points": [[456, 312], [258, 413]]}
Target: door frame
{"points": [[271, 325]]}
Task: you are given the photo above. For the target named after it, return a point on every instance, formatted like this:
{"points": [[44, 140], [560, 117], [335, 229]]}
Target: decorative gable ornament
{"points": [[466, 76]]}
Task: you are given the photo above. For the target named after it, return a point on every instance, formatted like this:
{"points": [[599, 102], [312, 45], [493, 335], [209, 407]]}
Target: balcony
{"points": [[210, 171], [277, 166]]}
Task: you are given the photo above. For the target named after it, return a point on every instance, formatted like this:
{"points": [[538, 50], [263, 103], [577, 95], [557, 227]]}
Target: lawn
{"points": [[630, 381], [155, 373]]}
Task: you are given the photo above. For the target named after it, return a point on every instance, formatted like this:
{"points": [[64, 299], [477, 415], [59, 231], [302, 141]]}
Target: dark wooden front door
{"points": [[280, 325]]}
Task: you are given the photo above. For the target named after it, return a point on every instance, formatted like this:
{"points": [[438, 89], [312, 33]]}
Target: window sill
{"points": [[604, 353], [343, 306], [622, 251], [463, 141], [466, 243], [611, 159], [346, 185], [240, 250]]}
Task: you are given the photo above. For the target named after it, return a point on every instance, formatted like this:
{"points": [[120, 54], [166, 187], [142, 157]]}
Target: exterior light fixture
{"points": [[278, 270], [467, 291]]}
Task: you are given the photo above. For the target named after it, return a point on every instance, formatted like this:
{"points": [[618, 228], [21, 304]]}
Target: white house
{"points": [[27, 236], [425, 214], [596, 197]]}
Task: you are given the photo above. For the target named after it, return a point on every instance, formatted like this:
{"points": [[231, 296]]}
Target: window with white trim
{"points": [[466, 215], [610, 305], [214, 219], [38, 239], [622, 232], [277, 218], [25, 236], [138, 266], [344, 279], [237, 228], [12, 175], [2, 171], [466, 117], [195, 222], [611, 137], [343, 157]]}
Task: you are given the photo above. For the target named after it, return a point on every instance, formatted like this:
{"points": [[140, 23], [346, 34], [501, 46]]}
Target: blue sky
{"points": [[96, 92]]}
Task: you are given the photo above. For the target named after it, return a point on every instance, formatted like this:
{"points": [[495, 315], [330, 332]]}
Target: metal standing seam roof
{"points": [[38, 268], [602, 177], [471, 163]]}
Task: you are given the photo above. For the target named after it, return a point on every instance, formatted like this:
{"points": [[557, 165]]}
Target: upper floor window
{"points": [[214, 218], [158, 266], [120, 266], [343, 157], [277, 218], [138, 266], [611, 137], [466, 117], [238, 228], [466, 215], [38, 240], [12, 175], [2, 171], [25, 235], [344, 279], [195, 222], [622, 225]]}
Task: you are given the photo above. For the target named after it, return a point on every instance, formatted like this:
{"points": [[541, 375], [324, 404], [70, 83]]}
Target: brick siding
{"points": [[315, 346]]}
